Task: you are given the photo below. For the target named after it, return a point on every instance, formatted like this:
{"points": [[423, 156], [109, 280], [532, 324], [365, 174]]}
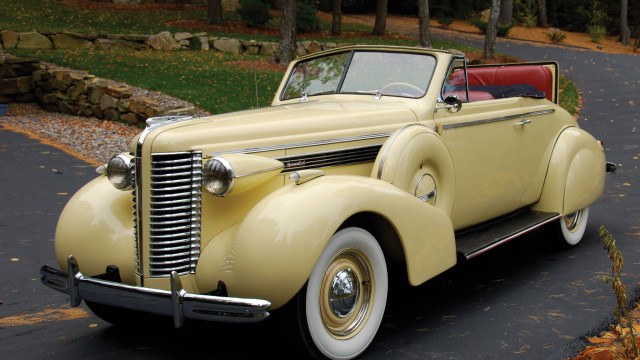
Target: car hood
{"points": [[284, 124]]}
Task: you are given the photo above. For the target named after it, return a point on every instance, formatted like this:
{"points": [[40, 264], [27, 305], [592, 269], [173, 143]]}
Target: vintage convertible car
{"points": [[369, 156]]}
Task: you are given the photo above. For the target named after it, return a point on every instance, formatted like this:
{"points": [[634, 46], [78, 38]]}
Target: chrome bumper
{"points": [[176, 303]]}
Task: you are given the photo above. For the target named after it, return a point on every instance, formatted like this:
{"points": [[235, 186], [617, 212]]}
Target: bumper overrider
{"points": [[176, 303]]}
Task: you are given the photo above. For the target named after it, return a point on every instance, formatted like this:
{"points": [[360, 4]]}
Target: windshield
{"points": [[362, 72]]}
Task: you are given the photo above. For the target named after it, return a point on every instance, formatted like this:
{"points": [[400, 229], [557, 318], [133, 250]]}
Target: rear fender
{"points": [[576, 174], [274, 249]]}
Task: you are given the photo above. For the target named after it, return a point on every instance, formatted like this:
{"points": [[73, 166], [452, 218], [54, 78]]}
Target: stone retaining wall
{"points": [[79, 93], [164, 41]]}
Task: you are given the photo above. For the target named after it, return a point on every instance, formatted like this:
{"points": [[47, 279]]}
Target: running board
{"points": [[478, 239]]}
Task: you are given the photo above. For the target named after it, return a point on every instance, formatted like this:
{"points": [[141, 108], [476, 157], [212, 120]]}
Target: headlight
{"points": [[119, 172], [218, 176]]}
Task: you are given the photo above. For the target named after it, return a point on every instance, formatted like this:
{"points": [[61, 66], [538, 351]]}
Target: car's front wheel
{"points": [[345, 296], [570, 228]]}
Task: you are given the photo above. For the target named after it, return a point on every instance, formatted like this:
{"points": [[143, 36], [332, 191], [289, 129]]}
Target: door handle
{"points": [[523, 122]]}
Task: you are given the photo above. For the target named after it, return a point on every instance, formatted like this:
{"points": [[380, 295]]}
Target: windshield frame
{"points": [[351, 53]]}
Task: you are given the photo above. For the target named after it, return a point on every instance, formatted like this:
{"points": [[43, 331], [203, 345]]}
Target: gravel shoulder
{"points": [[90, 139]]}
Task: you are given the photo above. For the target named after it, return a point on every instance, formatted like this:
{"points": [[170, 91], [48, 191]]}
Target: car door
{"points": [[498, 148]]}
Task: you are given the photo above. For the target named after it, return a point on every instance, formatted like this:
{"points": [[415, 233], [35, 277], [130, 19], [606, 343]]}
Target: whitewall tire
{"points": [[571, 228], [346, 294]]}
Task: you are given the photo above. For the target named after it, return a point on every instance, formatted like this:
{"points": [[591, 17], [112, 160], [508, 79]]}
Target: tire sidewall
{"points": [[572, 238], [352, 347]]}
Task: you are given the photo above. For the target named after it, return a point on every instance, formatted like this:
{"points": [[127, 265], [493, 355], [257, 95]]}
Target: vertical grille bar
{"points": [[174, 213]]}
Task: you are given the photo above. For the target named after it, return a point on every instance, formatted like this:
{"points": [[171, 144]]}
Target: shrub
{"points": [[445, 20], [503, 30], [525, 12], [556, 36], [306, 19], [596, 32], [254, 12]]}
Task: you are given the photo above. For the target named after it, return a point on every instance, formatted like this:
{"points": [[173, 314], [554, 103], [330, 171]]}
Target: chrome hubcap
{"points": [[572, 220], [344, 293]]}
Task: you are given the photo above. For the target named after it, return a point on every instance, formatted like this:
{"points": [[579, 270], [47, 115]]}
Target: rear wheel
{"points": [[345, 296], [570, 228]]}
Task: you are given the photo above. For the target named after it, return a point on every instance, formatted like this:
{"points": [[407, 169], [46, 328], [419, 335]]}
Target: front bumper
{"points": [[176, 303]]}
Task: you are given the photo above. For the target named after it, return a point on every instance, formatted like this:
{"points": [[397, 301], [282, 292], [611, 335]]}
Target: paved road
{"points": [[522, 301]]}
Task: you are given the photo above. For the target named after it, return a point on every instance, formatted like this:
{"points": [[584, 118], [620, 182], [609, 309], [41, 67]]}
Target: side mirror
{"points": [[452, 104]]}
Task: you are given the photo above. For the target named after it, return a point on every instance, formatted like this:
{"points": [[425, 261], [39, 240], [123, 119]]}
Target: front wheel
{"points": [[346, 295], [570, 228]]}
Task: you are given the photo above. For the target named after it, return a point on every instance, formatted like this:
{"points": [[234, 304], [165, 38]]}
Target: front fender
{"points": [[96, 227], [274, 249], [576, 174]]}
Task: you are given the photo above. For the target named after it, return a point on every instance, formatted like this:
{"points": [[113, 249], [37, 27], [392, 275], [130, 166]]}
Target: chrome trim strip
{"points": [[502, 118], [301, 144], [176, 303], [260, 171], [388, 146], [513, 236]]}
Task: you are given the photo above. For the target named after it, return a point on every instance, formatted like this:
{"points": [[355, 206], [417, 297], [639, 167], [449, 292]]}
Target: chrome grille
{"points": [[330, 158], [174, 213]]}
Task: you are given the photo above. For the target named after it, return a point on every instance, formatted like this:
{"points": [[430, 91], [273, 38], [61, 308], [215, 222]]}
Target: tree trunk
{"points": [[425, 26], [288, 46], [506, 12], [625, 33], [542, 14], [214, 15], [381, 18], [336, 27], [492, 31]]}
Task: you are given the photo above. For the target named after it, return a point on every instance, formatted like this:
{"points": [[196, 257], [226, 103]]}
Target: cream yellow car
{"points": [[368, 156]]}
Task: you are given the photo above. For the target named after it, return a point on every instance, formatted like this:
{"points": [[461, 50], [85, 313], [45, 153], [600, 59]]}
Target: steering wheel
{"points": [[414, 91]]}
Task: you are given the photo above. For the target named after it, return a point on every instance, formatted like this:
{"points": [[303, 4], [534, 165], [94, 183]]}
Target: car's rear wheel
{"points": [[345, 296], [570, 228]]}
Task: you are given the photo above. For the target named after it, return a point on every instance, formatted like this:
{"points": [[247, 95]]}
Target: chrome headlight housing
{"points": [[218, 176], [120, 172]]}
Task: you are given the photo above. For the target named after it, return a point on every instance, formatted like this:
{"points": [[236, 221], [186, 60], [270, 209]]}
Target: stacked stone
{"points": [[16, 81], [78, 93], [163, 41]]}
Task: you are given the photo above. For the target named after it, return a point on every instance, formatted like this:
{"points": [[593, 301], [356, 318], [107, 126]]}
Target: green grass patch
{"points": [[569, 97], [202, 78], [52, 15]]}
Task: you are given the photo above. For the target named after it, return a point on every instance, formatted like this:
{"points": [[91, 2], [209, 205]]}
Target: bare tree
{"points": [[492, 31], [336, 27], [542, 13], [425, 26], [214, 15], [625, 33], [288, 46], [381, 18]]}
